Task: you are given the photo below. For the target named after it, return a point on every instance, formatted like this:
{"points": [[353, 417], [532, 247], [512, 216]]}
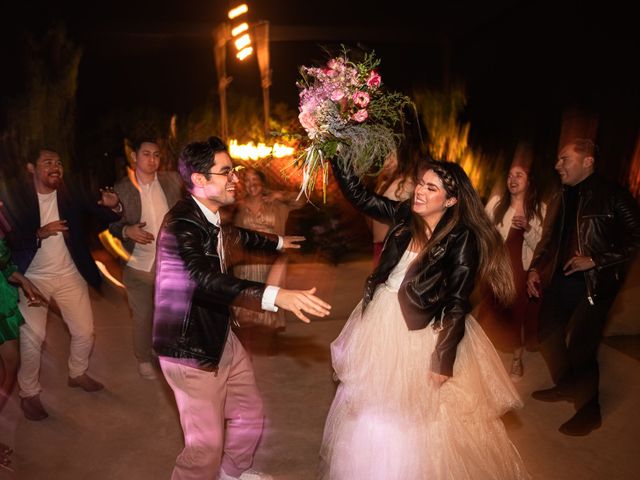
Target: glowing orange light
{"points": [[237, 11], [243, 27], [103, 269], [113, 245], [243, 41], [251, 151], [244, 53]]}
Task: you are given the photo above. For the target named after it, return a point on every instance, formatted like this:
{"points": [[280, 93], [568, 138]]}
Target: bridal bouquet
{"points": [[345, 110]]}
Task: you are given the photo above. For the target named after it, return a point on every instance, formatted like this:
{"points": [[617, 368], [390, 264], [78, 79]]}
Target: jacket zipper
{"points": [[557, 252], [586, 279]]}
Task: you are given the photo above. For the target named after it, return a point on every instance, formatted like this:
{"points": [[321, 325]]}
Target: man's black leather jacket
{"points": [[437, 286], [192, 295], [608, 231]]}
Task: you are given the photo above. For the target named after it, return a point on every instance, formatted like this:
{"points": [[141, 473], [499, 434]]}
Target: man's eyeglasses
{"points": [[231, 174]]}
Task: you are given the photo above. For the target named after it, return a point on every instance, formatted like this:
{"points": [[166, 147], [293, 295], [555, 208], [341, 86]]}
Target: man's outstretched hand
{"points": [[292, 241], [109, 198], [298, 301]]}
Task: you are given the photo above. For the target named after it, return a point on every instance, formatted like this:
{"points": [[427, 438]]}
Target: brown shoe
{"points": [[85, 382], [583, 422], [553, 394], [33, 409]]}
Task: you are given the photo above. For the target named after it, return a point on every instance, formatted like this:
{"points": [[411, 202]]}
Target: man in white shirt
{"points": [[146, 194], [48, 245], [202, 360]]}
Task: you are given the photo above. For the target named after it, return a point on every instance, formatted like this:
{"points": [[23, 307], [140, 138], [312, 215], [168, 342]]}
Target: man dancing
{"points": [[204, 363]]}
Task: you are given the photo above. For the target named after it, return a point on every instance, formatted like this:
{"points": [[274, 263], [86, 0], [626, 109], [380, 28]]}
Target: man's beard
{"points": [[53, 182]]}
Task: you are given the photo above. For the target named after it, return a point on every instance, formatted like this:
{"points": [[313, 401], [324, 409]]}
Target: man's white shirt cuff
{"points": [[280, 243], [269, 298]]}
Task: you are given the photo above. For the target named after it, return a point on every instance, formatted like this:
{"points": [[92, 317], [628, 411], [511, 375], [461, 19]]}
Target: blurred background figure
{"points": [[518, 214], [10, 321], [147, 193], [49, 217], [396, 180], [262, 210], [589, 240]]}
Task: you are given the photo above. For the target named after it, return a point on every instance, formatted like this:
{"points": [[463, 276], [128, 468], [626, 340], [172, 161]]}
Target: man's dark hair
{"points": [[587, 147], [198, 157], [137, 143], [34, 153]]}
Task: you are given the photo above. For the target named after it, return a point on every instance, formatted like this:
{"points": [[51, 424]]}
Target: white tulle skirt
{"points": [[388, 421]]}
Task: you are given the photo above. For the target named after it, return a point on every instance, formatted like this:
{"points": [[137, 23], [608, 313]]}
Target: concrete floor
{"points": [[131, 430]]}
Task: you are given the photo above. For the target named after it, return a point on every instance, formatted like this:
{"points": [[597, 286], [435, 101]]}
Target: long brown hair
{"points": [[494, 268], [532, 204]]}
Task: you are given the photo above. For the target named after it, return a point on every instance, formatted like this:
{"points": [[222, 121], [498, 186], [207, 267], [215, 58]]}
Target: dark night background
{"points": [[522, 62]]}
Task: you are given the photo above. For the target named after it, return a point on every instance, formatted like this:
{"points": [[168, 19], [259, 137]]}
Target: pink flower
{"points": [[335, 63], [361, 99], [307, 120], [374, 80], [360, 116], [337, 95], [330, 72]]}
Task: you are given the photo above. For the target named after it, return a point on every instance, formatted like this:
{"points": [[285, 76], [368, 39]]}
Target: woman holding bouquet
{"points": [[422, 388]]}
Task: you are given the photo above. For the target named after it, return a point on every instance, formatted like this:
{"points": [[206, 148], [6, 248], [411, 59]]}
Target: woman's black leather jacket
{"points": [[437, 285]]}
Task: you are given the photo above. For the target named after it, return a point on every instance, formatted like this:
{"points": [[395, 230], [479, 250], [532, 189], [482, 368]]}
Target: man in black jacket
{"points": [[588, 241], [48, 245], [202, 360]]}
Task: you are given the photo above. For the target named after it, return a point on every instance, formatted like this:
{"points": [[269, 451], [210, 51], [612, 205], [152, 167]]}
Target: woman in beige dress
{"points": [[266, 211]]}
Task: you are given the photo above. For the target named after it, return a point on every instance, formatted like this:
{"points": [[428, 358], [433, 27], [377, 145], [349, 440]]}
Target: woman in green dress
{"points": [[10, 321]]}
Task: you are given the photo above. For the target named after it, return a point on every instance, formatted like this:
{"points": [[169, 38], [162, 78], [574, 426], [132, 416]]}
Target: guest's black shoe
{"points": [[553, 394], [33, 409], [585, 420], [86, 383]]}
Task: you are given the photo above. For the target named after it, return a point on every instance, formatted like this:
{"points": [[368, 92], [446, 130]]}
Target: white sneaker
{"points": [[250, 474], [145, 369]]}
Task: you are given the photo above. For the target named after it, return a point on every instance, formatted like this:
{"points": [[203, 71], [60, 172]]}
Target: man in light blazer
{"points": [[147, 195]]}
